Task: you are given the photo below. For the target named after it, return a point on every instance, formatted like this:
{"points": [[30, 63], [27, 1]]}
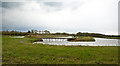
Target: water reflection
{"points": [[98, 42]]}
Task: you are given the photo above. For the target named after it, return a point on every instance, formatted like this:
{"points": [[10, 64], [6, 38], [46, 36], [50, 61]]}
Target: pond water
{"points": [[17, 36], [98, 42]]}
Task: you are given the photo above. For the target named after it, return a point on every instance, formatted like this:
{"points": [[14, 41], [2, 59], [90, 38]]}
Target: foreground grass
{"points": [[17, 52]]}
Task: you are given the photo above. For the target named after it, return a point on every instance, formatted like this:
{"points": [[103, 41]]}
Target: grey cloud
{"points": [[0, 4], [11, 4], [88, 18], [53, 4]]}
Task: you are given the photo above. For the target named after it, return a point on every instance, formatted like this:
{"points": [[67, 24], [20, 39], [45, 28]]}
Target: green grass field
{"points": [[17, 52]]}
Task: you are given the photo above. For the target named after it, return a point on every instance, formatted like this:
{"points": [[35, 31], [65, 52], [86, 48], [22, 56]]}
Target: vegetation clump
{"points": [[35, 40], [82, 38]]}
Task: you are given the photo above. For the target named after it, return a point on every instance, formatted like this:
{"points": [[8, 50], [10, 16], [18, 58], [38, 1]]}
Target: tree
{"points": [[32, 31], [79, 34], [47, 32], [28, 31]]}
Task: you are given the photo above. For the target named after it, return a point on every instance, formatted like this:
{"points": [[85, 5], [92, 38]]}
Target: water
{"points": [[17, 36], [98, 42]]}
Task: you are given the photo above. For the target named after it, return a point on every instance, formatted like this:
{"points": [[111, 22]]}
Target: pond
{"points": [[98, 42], [17, 36]]}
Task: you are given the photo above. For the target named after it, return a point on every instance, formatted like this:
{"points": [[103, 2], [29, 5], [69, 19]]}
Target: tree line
{"points": [[96, 35], [15, 33], [36, 32]]}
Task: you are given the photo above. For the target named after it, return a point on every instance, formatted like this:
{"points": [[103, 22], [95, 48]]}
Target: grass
{"points": [[45, 36], [82, 38], [112, 37], [15, 52], [35, 40]]}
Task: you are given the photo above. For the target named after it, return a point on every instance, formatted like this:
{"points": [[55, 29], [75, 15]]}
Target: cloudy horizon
{"points": [[94, 16]]}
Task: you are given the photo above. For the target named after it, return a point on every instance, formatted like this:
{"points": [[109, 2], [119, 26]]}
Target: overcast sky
{"points": [[99, 16]]}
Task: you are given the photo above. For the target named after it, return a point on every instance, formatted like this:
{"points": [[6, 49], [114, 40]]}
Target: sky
{"points": [[94, 16]]}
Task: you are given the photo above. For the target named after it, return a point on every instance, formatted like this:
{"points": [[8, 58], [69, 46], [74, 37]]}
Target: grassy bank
{"points": [[45, 36], [22, 51], [112, 37], [82, 38]]}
